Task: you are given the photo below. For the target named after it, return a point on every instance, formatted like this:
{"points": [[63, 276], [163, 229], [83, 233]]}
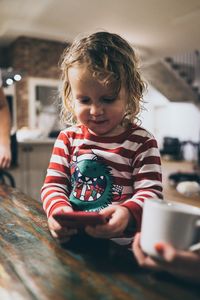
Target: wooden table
{"points": [[34, 266]]}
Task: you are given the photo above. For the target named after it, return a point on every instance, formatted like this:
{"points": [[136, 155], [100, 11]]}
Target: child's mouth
{"points": [[98, 122]]}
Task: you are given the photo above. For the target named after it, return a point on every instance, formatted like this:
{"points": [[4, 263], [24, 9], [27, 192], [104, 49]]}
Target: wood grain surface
{"points": [[34, 266]]}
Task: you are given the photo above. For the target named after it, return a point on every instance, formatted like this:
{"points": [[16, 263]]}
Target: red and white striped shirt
{"points": [[90, 172]]}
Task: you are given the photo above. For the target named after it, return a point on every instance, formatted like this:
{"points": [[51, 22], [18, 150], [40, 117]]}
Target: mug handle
{"points": [[195, 247]]}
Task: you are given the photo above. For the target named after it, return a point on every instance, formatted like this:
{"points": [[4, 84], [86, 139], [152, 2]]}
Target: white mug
{"points": [[171, 222]]}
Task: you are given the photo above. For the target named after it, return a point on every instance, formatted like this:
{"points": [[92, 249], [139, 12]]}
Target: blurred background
{"points": [[166, 36]]}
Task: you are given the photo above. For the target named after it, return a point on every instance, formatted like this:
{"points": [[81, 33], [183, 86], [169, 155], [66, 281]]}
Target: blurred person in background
{"points": [[5, 127]]}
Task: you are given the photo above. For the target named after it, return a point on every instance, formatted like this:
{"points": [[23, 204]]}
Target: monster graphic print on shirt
{"points": [[92, 183]]}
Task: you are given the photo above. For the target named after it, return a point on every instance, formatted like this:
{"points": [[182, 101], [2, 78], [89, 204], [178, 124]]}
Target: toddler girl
{"points": [[104, 161]]}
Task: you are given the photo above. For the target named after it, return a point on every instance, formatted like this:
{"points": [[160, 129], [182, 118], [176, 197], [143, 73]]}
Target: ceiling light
{"points": [[9, 81], [17, 77]]}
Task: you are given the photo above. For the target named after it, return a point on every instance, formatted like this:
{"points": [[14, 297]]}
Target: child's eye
{"points": [[84, 100], [108, 99]]}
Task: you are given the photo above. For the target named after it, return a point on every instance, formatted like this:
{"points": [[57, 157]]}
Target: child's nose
{"points": [[96, 109]]}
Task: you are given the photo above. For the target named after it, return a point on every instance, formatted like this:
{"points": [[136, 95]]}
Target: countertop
{"points": [[38, 141]]}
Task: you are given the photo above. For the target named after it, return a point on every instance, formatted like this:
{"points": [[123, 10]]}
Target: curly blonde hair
{"points": [[111, 60]]}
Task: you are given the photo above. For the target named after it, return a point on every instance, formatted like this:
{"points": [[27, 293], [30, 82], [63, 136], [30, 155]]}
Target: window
{"points": [[44, 104]]}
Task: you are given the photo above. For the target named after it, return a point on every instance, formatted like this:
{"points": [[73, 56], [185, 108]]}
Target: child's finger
{"points": [[108, 211], [53, 233], [53, 224]]}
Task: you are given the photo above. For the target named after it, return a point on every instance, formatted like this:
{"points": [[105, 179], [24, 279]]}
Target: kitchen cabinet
{"points": [[33, 160]]}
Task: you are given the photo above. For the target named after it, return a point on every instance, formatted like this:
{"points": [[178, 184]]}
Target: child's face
{"points": [[96, 105]]}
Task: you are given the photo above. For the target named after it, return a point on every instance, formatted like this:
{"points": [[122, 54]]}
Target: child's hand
{"points": [[118, 218], [63, 234]]}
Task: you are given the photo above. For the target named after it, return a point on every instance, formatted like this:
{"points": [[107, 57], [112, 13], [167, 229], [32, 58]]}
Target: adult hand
{"points": [[118, 219], [185, 264], [5, 125], [5, 155]]}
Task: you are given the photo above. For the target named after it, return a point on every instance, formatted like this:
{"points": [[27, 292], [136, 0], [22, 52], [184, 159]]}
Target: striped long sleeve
{"points": [[89, 172]]}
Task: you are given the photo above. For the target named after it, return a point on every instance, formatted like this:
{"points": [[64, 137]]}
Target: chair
{"points": [[6, 178]]}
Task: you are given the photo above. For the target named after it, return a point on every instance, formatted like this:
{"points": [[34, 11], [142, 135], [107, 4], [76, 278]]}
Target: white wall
{"points": [[173, 119]]}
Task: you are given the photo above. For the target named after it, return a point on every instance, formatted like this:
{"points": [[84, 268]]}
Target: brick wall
{"points": [[33, 58]]}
